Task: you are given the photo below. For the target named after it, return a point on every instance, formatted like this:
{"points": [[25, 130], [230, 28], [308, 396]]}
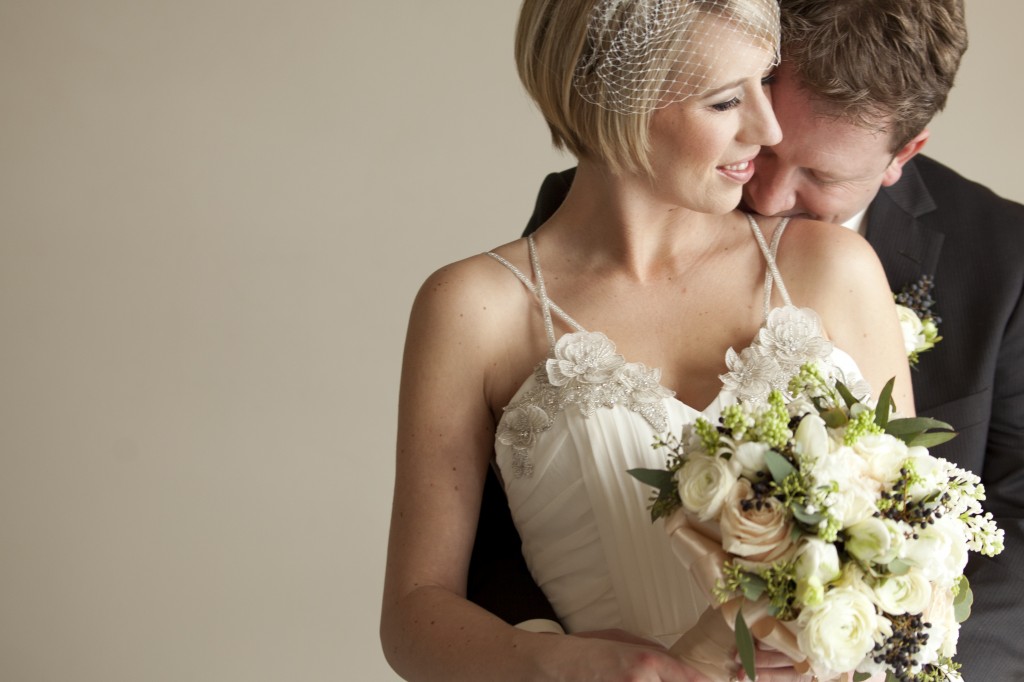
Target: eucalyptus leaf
{"points": [[834, 418], [889, 677], [754, 587], [860, 677], [745, 646], [778, 465], [930, 440], [906, 425], [801, 515], [845, 393], [963, 602], [884, 406], [658, 478]]}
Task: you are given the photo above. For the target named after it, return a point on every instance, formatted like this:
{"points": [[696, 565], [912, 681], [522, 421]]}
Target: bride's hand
{"points": [[775, 666], [619, 656]]}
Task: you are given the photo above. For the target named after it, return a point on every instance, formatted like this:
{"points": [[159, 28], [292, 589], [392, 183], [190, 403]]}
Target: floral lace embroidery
{"points": [[586, 372], [790, 337]]}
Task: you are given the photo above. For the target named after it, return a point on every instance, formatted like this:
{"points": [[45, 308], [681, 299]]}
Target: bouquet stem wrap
{"points": [[710, 645]]}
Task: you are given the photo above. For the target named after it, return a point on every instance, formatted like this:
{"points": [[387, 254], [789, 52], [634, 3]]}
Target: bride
{"points": [[558, 358]]}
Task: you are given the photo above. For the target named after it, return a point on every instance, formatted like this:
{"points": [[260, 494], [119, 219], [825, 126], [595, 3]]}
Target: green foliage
{"points": [[745, 646]]}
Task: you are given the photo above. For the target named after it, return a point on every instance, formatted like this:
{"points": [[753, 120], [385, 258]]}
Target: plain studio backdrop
{"points": [[214, 216]]}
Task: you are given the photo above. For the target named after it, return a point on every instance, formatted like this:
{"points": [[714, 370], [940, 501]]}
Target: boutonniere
{"points": [[919, 324]]}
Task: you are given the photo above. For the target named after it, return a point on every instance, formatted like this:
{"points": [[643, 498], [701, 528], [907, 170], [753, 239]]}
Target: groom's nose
{"points": [[772, 190]]}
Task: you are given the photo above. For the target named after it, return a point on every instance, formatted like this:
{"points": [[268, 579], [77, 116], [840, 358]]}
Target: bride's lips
{"points": [[741, 171]]}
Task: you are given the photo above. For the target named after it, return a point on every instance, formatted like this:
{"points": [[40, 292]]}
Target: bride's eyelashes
{"points": [[728, 104], [736, 101]]}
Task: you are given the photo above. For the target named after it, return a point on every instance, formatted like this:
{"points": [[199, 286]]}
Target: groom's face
{"points": [[825, 168]]}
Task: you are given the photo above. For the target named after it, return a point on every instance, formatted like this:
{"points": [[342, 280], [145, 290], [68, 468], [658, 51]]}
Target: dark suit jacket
{"points": [[933, 221]]}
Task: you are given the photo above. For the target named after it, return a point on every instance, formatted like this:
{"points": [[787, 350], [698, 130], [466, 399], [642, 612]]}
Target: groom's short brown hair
{"points": [[885, 64]]}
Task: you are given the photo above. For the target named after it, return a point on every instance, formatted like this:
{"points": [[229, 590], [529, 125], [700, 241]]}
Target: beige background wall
{"points": [[214, 215]]}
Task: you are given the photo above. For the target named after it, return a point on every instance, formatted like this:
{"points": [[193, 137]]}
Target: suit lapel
{"points": [[905, 246]]}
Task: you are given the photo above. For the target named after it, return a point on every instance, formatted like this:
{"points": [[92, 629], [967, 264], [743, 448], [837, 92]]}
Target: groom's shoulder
{"points": [[965, 202]]}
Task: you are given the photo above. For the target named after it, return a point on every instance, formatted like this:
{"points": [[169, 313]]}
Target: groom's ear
{"points": [[905, 153]]}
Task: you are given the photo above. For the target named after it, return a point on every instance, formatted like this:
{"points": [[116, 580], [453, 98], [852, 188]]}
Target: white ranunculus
{"points": [[901, 594], [874, 540], [816, 557], [704, 483], [931, 472], [913, 330], [750, 458], [812, 437], [883, 454], [939, 550], [816, 564], [837, 634], [855, 498], [759, 534], [945, 631]]}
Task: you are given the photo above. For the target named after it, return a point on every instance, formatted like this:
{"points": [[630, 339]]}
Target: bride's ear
{"points": [[905, 153]]}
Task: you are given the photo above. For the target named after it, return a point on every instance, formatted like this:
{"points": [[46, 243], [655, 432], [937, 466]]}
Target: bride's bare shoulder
{"points": [[475, 293], [814, 252]]}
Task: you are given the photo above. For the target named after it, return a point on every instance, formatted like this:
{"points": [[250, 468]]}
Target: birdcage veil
{"points": [[642, 55]]}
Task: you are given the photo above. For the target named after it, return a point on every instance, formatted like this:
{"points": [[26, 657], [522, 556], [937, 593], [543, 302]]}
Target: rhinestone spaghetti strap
{"points": [[539, 290], [773, 273]]}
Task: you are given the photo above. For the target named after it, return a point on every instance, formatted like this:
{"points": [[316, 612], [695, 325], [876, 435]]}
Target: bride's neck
{"points": [[618, 221]]}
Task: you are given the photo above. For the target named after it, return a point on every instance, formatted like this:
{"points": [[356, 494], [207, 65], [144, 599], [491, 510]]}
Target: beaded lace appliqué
{"points": [[586, 372], [790, 337]]}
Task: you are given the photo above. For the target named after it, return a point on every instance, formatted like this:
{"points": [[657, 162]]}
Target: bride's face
{"points": [[703, 148]]}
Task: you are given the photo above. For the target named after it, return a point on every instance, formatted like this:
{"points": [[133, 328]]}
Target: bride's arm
{"points": [[429, 631], [836, 272]]}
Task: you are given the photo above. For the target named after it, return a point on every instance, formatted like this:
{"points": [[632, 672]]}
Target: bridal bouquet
{"points": [[828, 527]]}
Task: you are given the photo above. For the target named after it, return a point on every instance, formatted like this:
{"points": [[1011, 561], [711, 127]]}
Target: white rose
{"points": [[939, 550], [704, 483], [816, 564], [883, 455], [902, 594], [758, 531], [750, 458], [855, 498], [840, 632], [812, 437], [875, 540], [913, 330]]}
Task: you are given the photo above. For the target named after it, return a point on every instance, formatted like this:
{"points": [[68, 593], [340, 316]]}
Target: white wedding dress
{"points": [[573, 429]]}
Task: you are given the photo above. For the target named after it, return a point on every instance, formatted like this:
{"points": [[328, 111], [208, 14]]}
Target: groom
{"points": [[853, 108]]}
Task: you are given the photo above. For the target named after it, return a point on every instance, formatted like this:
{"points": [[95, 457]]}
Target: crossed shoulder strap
{"points": [[539, 290], [772, 274]]}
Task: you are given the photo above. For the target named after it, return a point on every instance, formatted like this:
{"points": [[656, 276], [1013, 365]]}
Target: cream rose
{"points": [[704, 483], [758, 531], [840, 632]]}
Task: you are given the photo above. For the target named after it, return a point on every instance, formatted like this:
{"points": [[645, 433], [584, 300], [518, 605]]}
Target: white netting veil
{"points": [[642, 55]]}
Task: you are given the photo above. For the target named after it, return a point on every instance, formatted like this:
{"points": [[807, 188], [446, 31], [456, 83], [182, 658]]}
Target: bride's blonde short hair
{"points": [[554, 37]]}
